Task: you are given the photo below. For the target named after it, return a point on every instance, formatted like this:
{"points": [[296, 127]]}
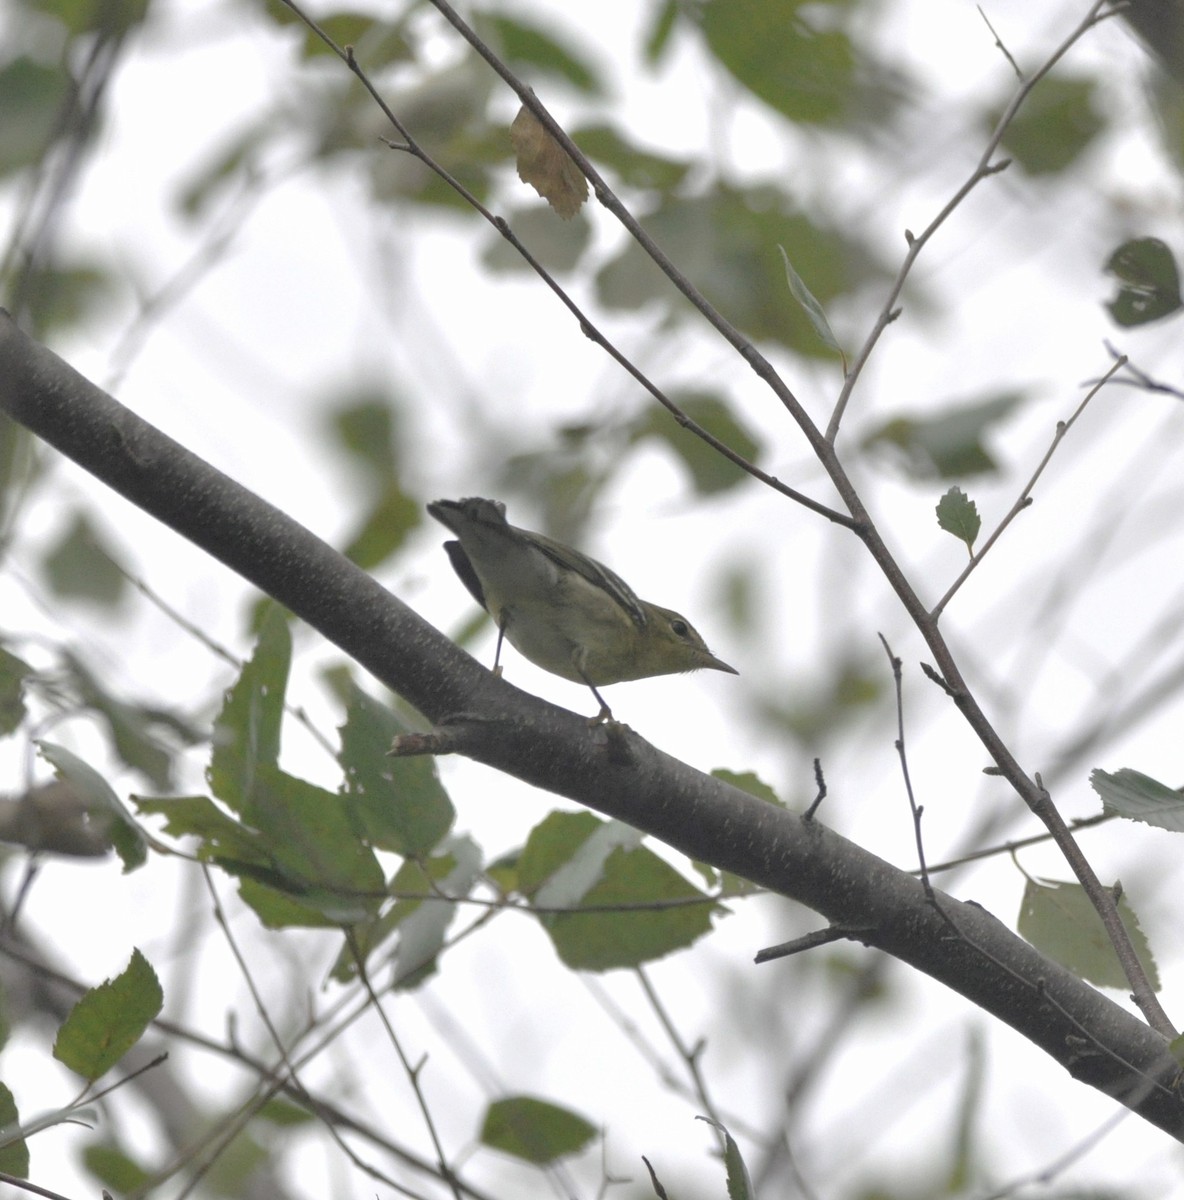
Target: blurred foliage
{"points": [[377, 850], [725, 240], [710, 472], [535, 1130], [947, 443], [821, 710], [32, 96], [82, 566], [1059, 122], [529, 47], [365, 425]]}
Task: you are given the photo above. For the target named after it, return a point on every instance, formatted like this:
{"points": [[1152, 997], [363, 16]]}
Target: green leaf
{"points": [[32, 99], [634, 166], [750, 782], [301, 861], [535, 1130], [81, 17], [247, 730], [60, 295], [13, 673], [657, 35], [739, 1181], [523, 44], [551, 846], [125, 834], [575, 861], [316, 853], [947, 444], [81, 565], [723, 241], [384, 528], [279, 909], [135, 729], [812, 308], [113, 1167], [1057, 122], [421, 914], [958, 514], [232, 164], [363, 424], [375, 43], [220, 837], [422, 931], [399, 803], [710, 471], [412, 882], [776, 50], [558, 245], [19, 469], [284, 1113], [1058, 919], [1138, 797], [1149, 283], [14, 1155], [109, 1019]]}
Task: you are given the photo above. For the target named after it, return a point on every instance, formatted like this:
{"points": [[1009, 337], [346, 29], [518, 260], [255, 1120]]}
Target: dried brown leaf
{"points": [[546, 166]]}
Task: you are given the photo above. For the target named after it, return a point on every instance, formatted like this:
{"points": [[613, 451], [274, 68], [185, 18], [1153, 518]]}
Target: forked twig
{"points": [[1025, 497], [410, 145], [914, 808], [983, 168]]}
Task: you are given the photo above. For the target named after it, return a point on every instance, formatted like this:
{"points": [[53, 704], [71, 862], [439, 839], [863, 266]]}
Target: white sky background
{"points": [[239, 371]]}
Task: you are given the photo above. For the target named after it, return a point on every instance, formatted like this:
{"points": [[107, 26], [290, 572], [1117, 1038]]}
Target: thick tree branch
{"points": [[616, 773], [859, 521]]}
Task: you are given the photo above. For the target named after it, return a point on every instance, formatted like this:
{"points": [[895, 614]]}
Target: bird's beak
{"points": [[711, 663]]}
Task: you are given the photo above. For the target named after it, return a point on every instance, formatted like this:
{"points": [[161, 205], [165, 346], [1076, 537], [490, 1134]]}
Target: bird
{"points": [[564, 611]]}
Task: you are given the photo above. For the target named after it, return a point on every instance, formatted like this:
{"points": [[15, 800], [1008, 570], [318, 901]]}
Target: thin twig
{"points": [[230, 1052], [24, 1184], [290, 1075], [1036, 839], [757, 361], [1140, 378], [819, 795], [689, 1054], [1024, 499], [812, 940], [914, 808], [1046, 1174], [916, 243], [410, 145], [412, 1072], [999, 42]]}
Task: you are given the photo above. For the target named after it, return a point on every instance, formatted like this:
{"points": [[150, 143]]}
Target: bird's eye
{"points": [[679, 627]]}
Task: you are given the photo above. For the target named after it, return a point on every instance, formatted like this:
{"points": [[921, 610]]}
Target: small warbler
{"points": [[564, 611]]}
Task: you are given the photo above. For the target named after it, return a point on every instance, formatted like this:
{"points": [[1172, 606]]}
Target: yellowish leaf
{"points": [[546, 166]]}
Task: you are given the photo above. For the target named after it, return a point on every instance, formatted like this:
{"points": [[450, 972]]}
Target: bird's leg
{"points": [[497, 654], [606, 713]]}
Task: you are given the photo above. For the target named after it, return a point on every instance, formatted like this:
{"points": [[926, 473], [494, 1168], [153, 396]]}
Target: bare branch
{"points": [[983, 169]]}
